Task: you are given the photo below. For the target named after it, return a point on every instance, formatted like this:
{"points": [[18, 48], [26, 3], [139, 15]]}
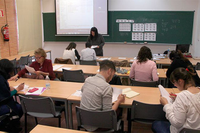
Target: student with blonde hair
{"points": [[42, 67]]}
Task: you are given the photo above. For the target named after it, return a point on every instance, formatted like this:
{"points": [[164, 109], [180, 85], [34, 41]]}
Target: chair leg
{"points": [[25, 119], [129, 119], [59, 121], [36, 120]]}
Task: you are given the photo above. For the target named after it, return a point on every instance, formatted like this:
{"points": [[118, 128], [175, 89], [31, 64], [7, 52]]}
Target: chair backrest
{"points": [[73, 75], [146, 113], [63, 61], [123, 63], [31, 59], [145, 84], [100, 119], [24, 60], [186, 130], [14, 61], [92, 62], [197, 67], [38, 107]]}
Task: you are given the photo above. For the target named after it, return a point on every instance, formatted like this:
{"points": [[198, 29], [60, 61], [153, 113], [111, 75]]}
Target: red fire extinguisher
{"points": [[5, 32]]}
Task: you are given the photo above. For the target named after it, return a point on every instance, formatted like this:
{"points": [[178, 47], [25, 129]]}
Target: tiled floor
{"points": [[136, 127]]}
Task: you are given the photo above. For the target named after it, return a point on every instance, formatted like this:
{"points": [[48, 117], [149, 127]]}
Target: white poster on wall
{"points": [[137, 36], [138, 27], [149, 36], [150, 27], [124, 26]]}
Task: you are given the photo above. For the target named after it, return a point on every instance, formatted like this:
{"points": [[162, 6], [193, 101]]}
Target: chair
{"points": [[100, 119], [185, 130], [24, 60], [73, 75], [145, 113], [14, 61], [197, 67], [115, 80], [31, 59], [92, 62], [145, 84], [63, 61], [40, 107]]}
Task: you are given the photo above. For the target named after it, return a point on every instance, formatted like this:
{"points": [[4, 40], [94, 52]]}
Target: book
{"points": [[165, 94], [30, 69], [129, 93]]}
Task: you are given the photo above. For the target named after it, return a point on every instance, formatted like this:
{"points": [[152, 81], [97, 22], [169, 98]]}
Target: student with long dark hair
{"points": [[185, 110], [178, 60], [71, 52], [144, 69], [96, 39], [6, 93]]}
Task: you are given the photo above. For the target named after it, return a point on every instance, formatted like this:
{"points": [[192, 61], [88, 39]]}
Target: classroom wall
{"points": [[29, 24], [10, 47], [131, 50]]}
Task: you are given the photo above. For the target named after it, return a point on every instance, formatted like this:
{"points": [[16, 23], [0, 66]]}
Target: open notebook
{"points": [[129, 93], [165, 94]]}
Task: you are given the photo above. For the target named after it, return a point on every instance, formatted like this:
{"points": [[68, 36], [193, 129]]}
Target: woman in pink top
{"points": [[144, 69]]}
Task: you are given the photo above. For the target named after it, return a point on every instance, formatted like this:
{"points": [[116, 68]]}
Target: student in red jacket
{"points": [[42, 67]]}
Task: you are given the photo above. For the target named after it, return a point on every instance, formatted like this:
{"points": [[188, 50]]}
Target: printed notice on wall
{"points": [[124, 26], [150, 27], [137, 36], [149, 36], [138, 27]]}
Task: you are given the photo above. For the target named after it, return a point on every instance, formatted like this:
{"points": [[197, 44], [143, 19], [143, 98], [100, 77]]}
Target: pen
{"points": [[16, 79], [173, 94]]}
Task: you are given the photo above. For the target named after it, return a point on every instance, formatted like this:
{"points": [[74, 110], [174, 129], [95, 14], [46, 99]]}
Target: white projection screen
{"points": [[77, 17]]}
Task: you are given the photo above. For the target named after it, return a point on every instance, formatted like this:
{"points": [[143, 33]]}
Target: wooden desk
{"points": [[49, 129], [160, 62], [58, 90], [92, 70], [18, 56]]}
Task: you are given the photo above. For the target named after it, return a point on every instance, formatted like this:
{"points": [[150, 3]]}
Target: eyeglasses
{"points": [[38, 57]]}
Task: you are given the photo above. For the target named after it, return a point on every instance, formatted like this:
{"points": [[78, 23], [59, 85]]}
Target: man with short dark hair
{"points": [[97, 92], [88, 53]]}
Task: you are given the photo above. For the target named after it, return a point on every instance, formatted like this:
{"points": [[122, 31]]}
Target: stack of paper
{"points": [[38, 92], [30, 69], [129, 93], [116, 93], [165, 94]]}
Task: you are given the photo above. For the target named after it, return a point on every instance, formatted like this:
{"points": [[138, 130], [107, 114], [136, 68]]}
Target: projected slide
{"points": [[74, 17]]}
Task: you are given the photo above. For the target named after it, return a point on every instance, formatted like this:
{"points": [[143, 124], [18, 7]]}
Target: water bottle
{"points": [[168, 52], [47, 82]]}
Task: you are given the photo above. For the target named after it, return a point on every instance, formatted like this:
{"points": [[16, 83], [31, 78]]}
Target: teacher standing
{"points": [[96, 39]]}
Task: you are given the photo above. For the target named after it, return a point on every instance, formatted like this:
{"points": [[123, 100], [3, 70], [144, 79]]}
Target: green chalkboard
{"points": [[173, 27]]}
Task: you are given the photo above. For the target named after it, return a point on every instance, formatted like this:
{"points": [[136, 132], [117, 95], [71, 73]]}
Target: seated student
{"points": [[88, 53], [97, 93], [42, 67], [185, 110], [6, 92], [144, 69], [71, 52], [178, 60]]}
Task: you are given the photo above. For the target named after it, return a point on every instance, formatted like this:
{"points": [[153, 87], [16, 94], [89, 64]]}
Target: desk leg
{"points": [[66, 114], [70, 114]]}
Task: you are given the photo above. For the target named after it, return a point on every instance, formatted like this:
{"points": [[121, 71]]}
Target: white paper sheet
{"points": [[66, 68], [78, 93], [165, 94], [30, 69], [25, 87], [55, 67], [116, 93], [38, 92], [122, 58], [104, 58], [94, 46]]}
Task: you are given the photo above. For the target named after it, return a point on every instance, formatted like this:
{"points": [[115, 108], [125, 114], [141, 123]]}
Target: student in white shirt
{"points": [[71, 52], [185, 110], [88, 53]]}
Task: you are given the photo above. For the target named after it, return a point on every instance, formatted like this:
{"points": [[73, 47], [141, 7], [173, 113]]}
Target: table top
{"points": [[88, 69], [50, 129], [58, 89], [163, 61], [18, 56]]}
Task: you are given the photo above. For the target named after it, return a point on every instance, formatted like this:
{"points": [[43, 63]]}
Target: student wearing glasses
{"points": [[42, 67]]}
